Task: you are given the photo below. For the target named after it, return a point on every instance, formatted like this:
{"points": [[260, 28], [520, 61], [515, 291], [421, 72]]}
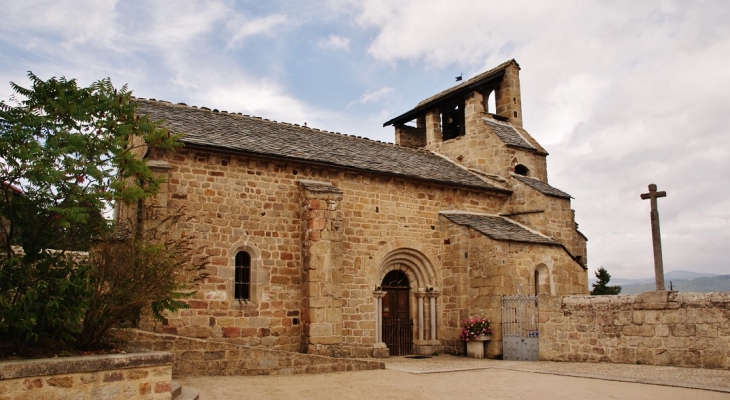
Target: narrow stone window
{"points": [[243, 276], [522, 170], [537, 283]]}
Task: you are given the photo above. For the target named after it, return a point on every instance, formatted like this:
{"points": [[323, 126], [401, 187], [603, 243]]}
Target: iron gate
{"points": [[398, 336], [519, 328]]}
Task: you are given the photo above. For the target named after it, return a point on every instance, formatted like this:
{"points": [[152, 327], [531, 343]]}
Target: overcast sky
{"points": [[621, 93]]}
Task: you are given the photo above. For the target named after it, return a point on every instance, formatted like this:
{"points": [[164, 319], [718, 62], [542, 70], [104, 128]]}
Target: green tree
{"points": [[66, 153], [67, 149], [601, 286]]}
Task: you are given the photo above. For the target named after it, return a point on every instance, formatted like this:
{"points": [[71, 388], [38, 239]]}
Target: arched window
{"points": [[521, 170], [490, 104], [242, 283], [542, 280], [396, 279]]}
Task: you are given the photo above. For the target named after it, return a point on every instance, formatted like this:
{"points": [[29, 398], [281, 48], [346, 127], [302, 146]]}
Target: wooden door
{"points": [[397, 322]]}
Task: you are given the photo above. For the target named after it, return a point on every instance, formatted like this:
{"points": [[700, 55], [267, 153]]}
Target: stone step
{"points": [[188, 394], [183, 393], [176, 390]]}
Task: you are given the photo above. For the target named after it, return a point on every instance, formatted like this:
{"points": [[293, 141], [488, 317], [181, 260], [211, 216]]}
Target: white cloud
{"points": [[334, 42], [621, 93], [72, 22], [242, 28], [372, 97]]}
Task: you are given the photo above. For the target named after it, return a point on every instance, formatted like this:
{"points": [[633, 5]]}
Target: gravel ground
{"points": [[449, 377]]}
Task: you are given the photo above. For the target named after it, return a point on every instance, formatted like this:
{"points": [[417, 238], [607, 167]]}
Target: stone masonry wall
{"points": [[481, 149], [549, 215], [656, 328], [129, 376], [253, 204], [197, 357], [498, 268], [408, 136]]}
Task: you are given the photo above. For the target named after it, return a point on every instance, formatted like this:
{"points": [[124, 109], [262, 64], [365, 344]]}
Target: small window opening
{"points": [[243, 276], [521, 170], [537, 283], [452, 122], [515, 114], [490, 104]]}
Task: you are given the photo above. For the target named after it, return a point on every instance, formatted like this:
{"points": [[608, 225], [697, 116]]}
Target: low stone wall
{"points": [[129, 376], [656, 328], [197, 357]]}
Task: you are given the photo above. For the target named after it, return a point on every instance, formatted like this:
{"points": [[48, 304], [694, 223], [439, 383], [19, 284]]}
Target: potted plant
{"points": [[475, 331]]}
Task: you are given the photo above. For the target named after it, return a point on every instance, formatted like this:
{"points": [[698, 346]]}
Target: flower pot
{"points": [[475, 347]]}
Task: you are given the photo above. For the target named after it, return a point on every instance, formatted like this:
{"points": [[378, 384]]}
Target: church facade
{"points": [[337, 245]]}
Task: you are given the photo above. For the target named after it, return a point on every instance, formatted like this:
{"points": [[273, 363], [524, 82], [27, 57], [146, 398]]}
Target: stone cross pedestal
{"points": [[656, 235]]}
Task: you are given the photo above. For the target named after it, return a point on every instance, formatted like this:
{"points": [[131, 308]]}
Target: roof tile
{"points": [[498, 228], [508, 134], [542, 187], [254, 135]]}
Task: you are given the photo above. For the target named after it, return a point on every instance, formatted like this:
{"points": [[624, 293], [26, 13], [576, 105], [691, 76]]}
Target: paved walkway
{"points": [[449, 377]]}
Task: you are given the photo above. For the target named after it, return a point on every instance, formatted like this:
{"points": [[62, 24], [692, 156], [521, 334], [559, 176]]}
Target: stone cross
{"points": [[655, 235]]}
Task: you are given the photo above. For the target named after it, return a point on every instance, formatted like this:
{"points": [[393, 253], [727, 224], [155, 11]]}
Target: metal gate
{"points": [[398, 336], [519, 328]]}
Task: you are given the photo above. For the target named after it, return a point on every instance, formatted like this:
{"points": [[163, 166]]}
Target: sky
{"points": [[621, 93]]}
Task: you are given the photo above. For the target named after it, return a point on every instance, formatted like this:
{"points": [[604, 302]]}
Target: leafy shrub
{"points": [[42, 300], [129, 274]]}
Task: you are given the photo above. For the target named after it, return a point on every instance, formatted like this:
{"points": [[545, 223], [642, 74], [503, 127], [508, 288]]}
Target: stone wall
{"points": [[495, 268], [257, 205], [129, 376], [549, 215], [656, 328], [197, 357], [481, 149], [409, 136]]}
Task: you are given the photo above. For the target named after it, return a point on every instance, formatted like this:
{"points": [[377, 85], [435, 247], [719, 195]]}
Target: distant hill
{"points": [[720, 283], [682, 281]]}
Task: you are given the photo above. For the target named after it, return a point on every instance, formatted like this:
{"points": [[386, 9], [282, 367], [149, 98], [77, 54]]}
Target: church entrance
{"points": [[397, 322]]}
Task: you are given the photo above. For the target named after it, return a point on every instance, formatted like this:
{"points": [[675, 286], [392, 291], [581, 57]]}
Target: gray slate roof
{"points": [[466, 83], [498, 228], [253, 135], [508, 134], [542, 187], [478, 80]]}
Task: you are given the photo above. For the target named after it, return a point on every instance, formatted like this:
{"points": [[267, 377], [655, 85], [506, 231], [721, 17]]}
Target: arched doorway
{"points": [[397, 322]]}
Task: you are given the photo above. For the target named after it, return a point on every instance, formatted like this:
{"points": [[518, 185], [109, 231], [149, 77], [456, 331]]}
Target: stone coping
{"points": [[72, 365]]}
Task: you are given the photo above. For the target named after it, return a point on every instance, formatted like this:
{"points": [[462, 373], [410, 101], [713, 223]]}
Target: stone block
{"points": [[707, 330], [661, 330], [622, 355], [60, 381], [319, 329], [713, 359], [683, 330], [638, 330]]}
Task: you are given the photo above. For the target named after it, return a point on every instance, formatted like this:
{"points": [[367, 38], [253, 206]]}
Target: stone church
{"points": [[338, 245]]}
